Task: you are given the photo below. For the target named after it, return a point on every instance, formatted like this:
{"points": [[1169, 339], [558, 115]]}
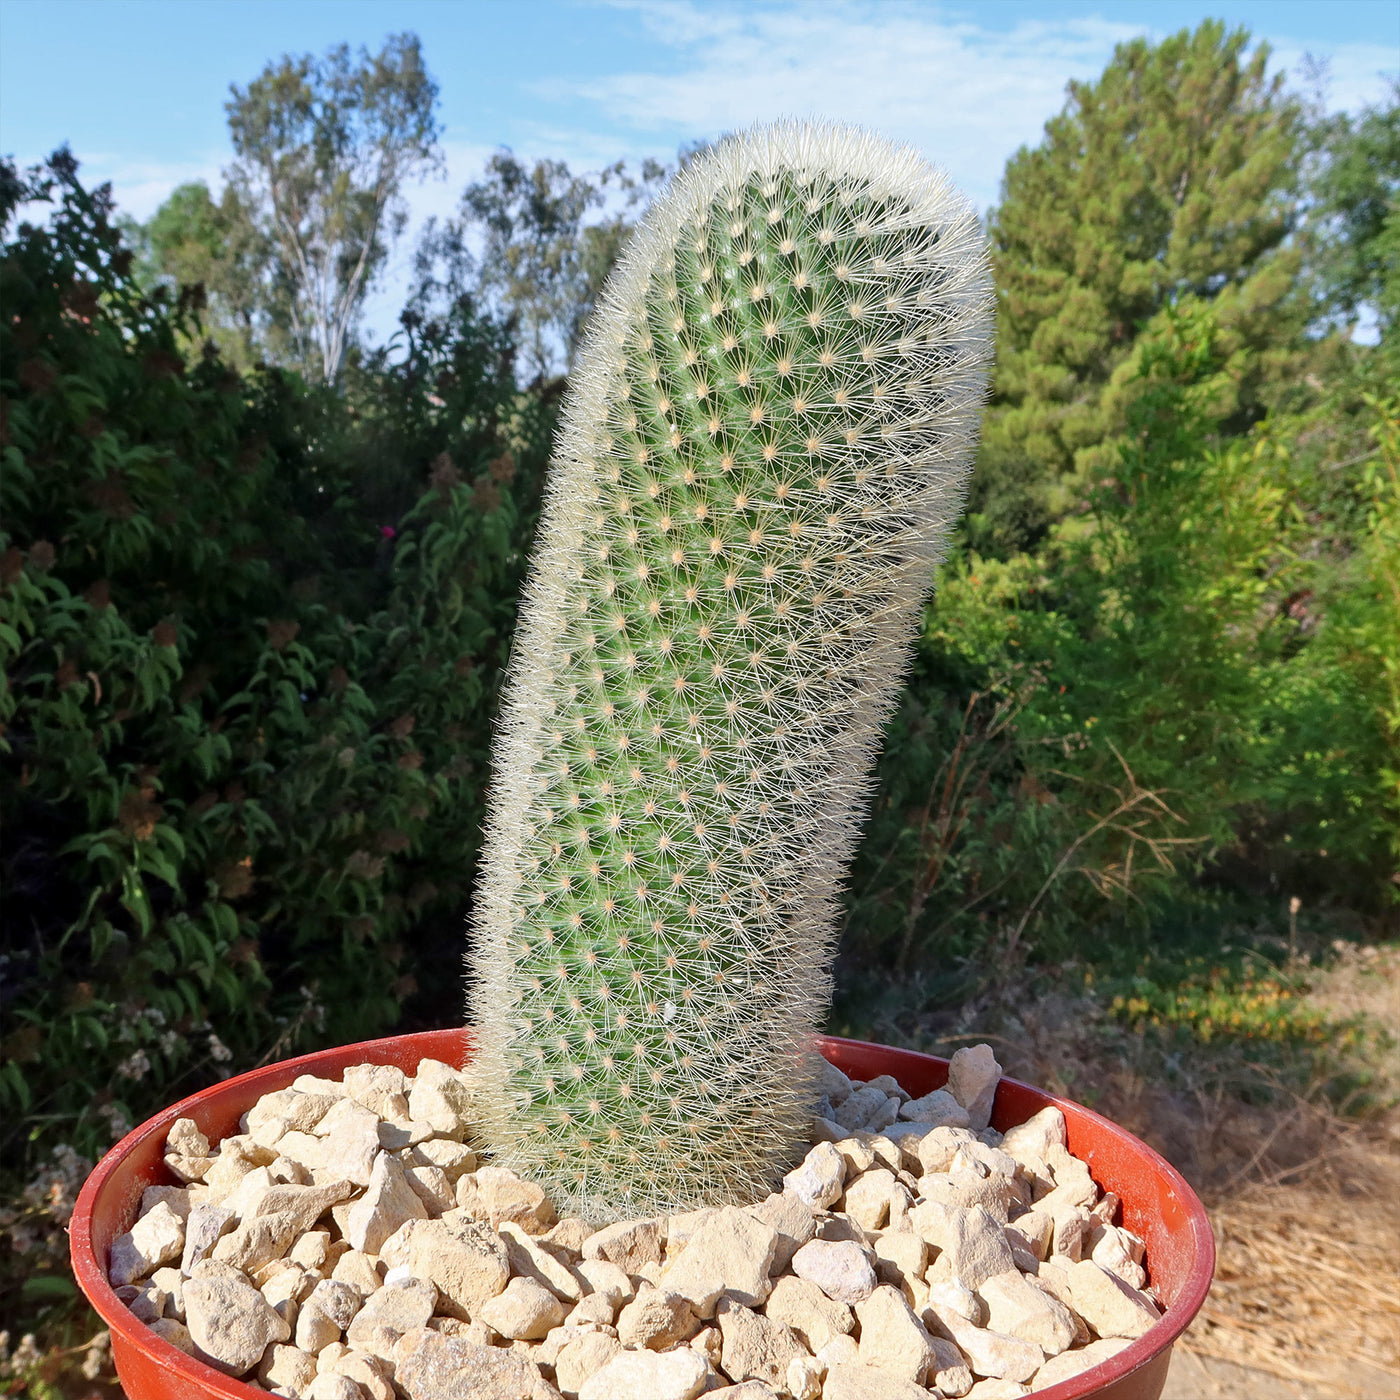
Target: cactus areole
{"points": [[766, 441]]}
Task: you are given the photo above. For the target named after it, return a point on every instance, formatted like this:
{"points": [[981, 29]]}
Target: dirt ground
{"points": [[1305, 1202]]}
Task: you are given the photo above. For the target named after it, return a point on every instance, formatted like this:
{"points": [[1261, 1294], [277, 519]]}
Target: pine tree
{"points": [[1172, 177]]}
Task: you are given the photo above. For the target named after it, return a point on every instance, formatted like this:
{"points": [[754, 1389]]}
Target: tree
{"points": [[1170, 178], [541, 263], [1353, 222], [324, 147], [193, 241]]}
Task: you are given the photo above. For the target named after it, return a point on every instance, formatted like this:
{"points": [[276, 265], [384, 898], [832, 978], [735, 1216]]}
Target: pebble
{"points": [[838, 1267], [155, 1239], [938, 1109], [387, 1202], [731, 1253], [347, 1245], [648, 1375], [523, 1311], [820, 1179], [973, 1075], [231, 1323], [755, 1347]]}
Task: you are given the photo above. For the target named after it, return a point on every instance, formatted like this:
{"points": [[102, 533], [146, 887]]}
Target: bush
{"points": [[251, 636], [1193, 676]]}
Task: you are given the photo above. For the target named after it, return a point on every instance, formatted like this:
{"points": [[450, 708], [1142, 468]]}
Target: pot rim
{"points": [[92, 1278]]}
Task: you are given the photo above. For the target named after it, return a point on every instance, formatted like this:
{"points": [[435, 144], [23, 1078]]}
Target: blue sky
{"points": [[137, 86]]}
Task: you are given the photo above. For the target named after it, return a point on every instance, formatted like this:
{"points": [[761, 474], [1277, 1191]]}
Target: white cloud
{"points": [[967, 96], [964, 95]]}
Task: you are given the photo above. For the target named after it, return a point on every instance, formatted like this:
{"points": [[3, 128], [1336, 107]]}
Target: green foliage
{"points": [[193, 242], [764, 449], [244, 711], [1197, 674], [1353, 223], [1172, 175]]}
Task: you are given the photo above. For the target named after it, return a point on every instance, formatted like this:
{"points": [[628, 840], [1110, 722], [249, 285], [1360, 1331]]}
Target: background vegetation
{"points": [[257, 587]]}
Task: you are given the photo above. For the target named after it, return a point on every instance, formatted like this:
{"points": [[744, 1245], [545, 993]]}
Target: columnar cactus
{"points": [[766, 441]]}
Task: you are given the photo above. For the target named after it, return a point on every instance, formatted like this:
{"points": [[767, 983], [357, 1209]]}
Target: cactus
{"points": [[766, 441]]}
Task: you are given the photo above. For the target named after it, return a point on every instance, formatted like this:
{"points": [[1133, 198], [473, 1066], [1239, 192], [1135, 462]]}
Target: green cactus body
{"points": [[766, 442]]}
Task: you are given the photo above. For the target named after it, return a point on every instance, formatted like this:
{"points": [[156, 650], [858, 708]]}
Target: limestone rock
{"points": [[647, 1375], [465, 1260], [595, 1309], [900, 1256], [608, 1279], [973, 1241], [176, 1333], [359, 1271], [256, 1242], [178, 1198], [678, 1229], [804, 1378], [583, 1356], [286, 1368], [315, 1331], [952, 1295], [388, 1201], [891, 1337], [800, 1305], [1074, 1363], [534, 1260], [656, 1319], [832, 1083], [433, 1187], [820, 1177], [185, 1139], [523, 1311], [755, 1347], [862, 1105], [494, 1194], [1110, 1306], [395, 1309], [431, 1366], [839, 1268], [732, 1253], [350, 1141], [997, 1390], [440, 1096], [305, 1204], [857, 1381], [155, 1239], [867, 1198], [989, 1353], [1031, 1141], [973, 1075], [948, 1372], [452, 1158], [1118, 1251], [1028, 1312], [791, 1217], [206, 1225], [328, 1385], [629, 1244], [383, 1089], [937, 1110], [746, 1390], [231, 1323], [339, 1301]]}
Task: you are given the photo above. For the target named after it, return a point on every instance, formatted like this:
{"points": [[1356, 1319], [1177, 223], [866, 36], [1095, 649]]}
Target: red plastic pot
{"points": [[1157, 1204]]}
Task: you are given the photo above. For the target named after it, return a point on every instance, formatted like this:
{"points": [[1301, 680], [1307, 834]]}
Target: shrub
{"points": [[245, 706]]}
